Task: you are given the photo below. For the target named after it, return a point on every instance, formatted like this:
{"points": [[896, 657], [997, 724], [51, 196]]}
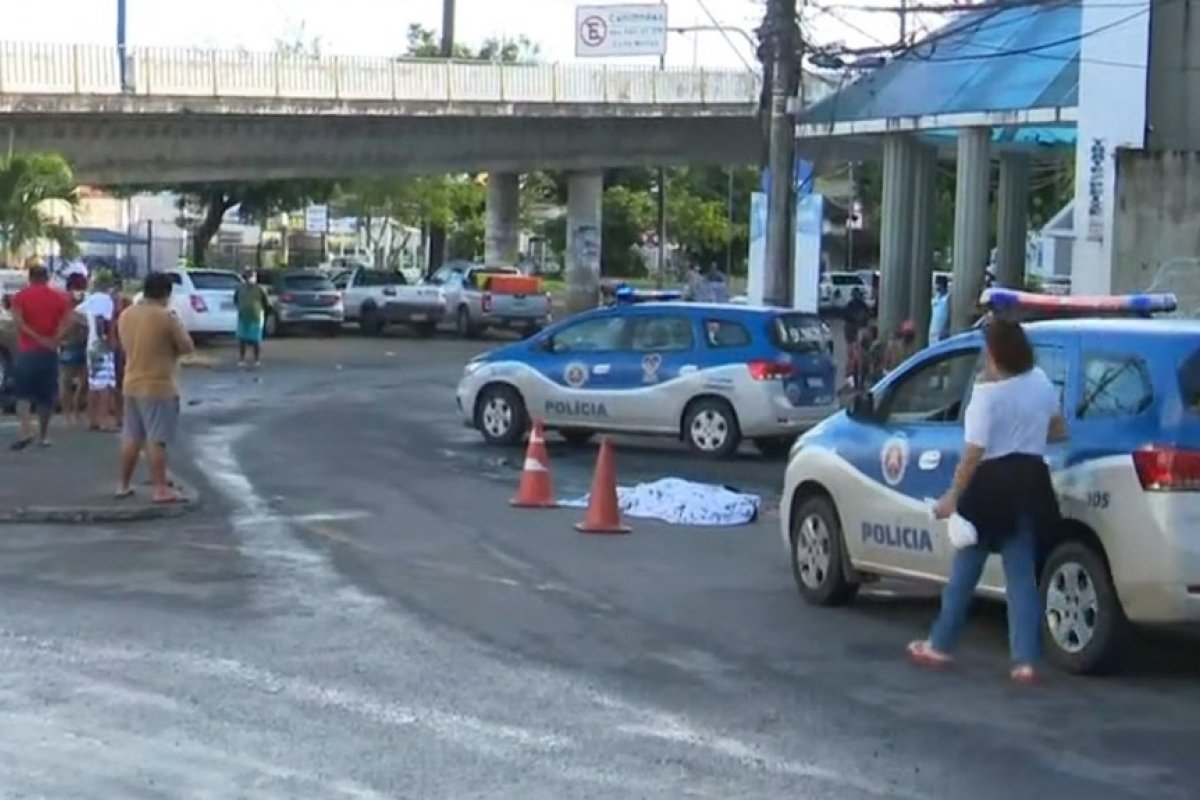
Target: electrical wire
{"points": [[725, 35]]}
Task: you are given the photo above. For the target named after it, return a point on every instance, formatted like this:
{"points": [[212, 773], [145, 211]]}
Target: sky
{"points": [[377, 27]]}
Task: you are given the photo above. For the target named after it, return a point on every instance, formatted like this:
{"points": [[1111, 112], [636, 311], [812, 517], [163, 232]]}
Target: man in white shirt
{"points": [[99, 310]]}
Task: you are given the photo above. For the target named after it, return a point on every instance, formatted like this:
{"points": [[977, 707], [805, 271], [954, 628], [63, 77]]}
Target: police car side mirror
{"points": [[861, 406]]}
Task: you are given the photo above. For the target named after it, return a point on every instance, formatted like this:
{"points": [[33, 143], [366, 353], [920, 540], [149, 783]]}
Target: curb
{"points": [[86, 515]]}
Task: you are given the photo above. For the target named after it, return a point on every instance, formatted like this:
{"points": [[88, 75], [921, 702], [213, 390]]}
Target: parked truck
{"points": [[378, 298], [479, 297]]}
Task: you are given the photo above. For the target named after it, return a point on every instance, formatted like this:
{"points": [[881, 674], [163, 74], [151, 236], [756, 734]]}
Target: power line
{"points": [[724, 34]]}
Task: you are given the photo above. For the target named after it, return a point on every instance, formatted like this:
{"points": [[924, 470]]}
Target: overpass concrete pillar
{"points": [[585, 195], [924, 203], [1012, 219], [502, 232], [895, 235], [971, 223]]}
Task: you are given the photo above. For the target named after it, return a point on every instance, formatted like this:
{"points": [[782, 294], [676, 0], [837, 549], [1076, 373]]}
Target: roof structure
{"points": [[1013, 67]]}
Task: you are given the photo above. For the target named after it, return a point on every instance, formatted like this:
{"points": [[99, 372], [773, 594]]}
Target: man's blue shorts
{"points": [[35, 378]]}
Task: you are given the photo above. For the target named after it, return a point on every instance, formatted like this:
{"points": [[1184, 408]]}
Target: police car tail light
{"points": [[486, 302], [770, 370], [1166, 469]]}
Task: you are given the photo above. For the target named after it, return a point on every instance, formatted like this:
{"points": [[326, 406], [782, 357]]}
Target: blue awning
{"points": [[104, 236], [1022, 61]]}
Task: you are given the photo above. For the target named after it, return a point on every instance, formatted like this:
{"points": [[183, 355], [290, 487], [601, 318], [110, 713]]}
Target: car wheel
{"points": [[6, 401], [462, 323], [575, 436], [817, 554], [710, 428], [500, 415], [425, 329], [370, 321], [774, 446], [1084, 625]]}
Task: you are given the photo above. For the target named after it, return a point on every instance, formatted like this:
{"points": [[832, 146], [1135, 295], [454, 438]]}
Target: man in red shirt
{"points": [[42, 314]]}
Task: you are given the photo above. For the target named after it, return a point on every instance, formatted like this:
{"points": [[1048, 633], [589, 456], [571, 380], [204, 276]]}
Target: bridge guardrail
{"points": [[66, 69]]}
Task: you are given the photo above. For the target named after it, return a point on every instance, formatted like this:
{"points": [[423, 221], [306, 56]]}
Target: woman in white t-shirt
{"points": [[1002, 486], [99, 309]]}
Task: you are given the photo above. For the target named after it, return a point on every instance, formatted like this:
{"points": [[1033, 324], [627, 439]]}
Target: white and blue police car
{"points": [[856, 493], [712, 374]]}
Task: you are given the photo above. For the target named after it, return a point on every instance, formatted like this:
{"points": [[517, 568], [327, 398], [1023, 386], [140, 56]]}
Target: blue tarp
{"points": [[994, 59], [105, 236]]}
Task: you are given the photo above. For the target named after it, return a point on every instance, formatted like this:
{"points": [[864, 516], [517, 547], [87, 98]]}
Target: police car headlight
{"points": [[471, 367]]}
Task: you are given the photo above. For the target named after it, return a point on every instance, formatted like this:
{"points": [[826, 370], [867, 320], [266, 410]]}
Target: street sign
{"points": [[316, 219], [621, 30]]}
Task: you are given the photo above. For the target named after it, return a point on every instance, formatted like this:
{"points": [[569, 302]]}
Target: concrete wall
{"points": [[202, 144], [1173, 83], [1156, 232]]}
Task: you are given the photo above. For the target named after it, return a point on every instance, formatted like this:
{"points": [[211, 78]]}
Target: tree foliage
{"points": [[31, 184]]}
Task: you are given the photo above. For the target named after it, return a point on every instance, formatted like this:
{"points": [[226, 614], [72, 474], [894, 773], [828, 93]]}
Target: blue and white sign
{"points": [[806, 252], [756, 260]]}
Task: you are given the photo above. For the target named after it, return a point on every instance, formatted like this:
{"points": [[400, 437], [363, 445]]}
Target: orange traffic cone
{"points": [[536, 489], [603, 511]]}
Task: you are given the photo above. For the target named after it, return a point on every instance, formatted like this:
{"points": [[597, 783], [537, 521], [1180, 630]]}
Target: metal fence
{"points": [[63, 69]]}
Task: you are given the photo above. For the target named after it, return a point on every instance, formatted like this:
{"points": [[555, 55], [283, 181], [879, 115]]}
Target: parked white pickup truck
{"points": [[378, 298], [479, 297]]}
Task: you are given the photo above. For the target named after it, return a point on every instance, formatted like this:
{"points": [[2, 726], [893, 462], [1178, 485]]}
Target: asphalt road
{"points": [[357, 613]]}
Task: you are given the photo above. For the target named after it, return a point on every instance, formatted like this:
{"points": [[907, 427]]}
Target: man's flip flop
{"points": [[20, 444], [121, 494], [170, 499]]}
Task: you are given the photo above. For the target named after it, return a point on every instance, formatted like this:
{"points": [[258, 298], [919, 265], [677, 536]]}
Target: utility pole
{"points": [[903, 23], [122, 46], [436, 254], [783, 41], [661, 273]]}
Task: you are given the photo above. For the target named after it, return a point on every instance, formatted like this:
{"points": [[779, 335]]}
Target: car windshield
{"points": [[798, 333], [307, 283], [215, 281]]}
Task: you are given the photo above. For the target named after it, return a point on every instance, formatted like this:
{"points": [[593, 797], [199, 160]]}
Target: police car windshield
{"points": [[798, 333]]}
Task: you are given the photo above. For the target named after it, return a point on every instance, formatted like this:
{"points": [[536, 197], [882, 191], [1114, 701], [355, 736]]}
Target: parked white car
{"points": [[203, 299], [837, 288]]}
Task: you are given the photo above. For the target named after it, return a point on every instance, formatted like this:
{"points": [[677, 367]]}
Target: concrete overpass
{"points": [[203, 115]]}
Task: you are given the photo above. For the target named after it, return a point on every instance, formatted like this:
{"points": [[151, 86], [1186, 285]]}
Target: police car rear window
{"points": [[1189, 382], [798, 333]]}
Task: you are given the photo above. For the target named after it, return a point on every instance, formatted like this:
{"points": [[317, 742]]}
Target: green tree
{"points": [[30, 185], [425, 42], [627, 214]]}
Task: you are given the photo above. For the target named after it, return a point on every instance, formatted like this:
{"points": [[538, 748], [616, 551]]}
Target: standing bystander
{"points": [[101, 361], [72, 357], [42, 314], [153, 339], [251, 302]]}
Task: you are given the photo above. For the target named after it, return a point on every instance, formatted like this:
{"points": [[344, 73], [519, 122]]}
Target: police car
{"points": [[712, 374], [856, 503]]}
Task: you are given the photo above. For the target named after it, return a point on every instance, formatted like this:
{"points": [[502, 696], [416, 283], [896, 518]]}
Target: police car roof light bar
{"points": [[628, 294], [1048, 306]]}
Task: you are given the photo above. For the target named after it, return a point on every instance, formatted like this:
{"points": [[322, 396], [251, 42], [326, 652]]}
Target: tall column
{"points": [[895, 235], [971, 224], [1012, 220], [585, 195], [502, 232], [924, 204]]}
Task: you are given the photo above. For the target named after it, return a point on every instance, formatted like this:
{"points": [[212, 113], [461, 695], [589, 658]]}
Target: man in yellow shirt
{"points": [[153, 339]]}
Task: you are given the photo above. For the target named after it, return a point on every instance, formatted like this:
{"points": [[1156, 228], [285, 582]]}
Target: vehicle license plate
{"points": [[419, 317], [815, 383]]}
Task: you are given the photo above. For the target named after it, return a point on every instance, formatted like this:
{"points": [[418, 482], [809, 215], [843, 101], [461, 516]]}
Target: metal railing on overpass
{"points": [[66, 69]]}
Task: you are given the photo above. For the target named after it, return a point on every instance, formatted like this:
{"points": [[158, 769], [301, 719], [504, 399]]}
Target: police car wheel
{"points": [[1083, 623], [817, 554], [710, 427], [500, 415]]}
